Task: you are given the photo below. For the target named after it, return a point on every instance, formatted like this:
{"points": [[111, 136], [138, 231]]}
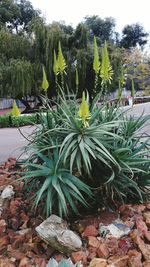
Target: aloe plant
{"points": [[55, 183]]}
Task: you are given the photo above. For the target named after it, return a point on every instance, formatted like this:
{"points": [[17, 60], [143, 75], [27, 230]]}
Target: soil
{"points": [[20, 246]]}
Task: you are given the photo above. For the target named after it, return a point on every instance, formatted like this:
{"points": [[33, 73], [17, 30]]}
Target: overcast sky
{"points": [[74, 11]]}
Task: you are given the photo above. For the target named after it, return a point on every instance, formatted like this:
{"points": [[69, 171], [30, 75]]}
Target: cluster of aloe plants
{"points": [[87, 153]]}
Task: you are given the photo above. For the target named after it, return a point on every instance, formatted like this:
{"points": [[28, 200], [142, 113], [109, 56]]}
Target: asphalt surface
{"points": [[12, 142]]}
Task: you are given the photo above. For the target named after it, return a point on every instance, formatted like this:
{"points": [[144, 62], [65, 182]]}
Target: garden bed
{"points": [[20, 246]]}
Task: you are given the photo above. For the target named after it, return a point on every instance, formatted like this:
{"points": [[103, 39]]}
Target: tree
{"points": [[133, 35], [137, 69], [103, 29], [17, 15]]}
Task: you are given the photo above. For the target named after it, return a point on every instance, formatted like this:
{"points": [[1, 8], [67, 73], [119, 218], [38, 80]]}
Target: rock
{"points": [[116, 229], [141, 225], [105, 217], [40, 262], [25, 262], [147, 217], [146, 264], [134, 258], [124, 245], [118, 262], [54, 231], [97, 262], [93, 242], [113, 245], [58, 256], [5, 262], [148, 206], [139, 208], [78, 256], [103, 251], [126, 212], [24, 231], [8, 192], [15, 253], [2, 226], [91, 253], [144, 248], [90, 231], [147, 235], [4, 241]]}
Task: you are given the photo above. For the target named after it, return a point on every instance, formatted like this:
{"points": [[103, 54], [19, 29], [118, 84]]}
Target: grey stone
{"points": [[56, 233], [8, 192]]}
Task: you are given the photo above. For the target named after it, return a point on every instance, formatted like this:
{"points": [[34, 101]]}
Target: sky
{"points": [[73, 11]]}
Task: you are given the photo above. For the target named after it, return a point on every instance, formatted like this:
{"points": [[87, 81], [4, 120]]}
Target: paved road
{"points": [[138, 109], [12, 142]]}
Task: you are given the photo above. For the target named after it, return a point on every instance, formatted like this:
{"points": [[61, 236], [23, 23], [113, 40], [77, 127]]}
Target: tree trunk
{"points": [[26, 104]]}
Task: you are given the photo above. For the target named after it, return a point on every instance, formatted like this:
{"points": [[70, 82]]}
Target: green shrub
{"points": [[55, 184], [11, 121]]}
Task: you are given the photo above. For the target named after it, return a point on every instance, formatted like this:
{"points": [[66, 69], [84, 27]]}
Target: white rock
{"points": [[8, 192]]}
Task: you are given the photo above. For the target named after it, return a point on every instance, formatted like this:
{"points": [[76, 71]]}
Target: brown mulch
{"points": [[20, 246]]}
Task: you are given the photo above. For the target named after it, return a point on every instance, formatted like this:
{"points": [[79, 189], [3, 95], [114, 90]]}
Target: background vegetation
{"points": [[27, 42]]}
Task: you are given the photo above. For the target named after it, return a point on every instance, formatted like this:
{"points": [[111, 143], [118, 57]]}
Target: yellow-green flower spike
{"points": [[106, 69], [45, 83], [15, 110], [84, 111], [55, 65], [96, 62], [61, 60]]}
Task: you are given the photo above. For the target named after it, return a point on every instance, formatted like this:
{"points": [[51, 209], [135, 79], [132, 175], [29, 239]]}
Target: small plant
{"points": [[63, 263], [54, 183]]}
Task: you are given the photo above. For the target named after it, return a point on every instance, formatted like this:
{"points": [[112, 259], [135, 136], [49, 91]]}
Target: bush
{"points": [[8, 120]]}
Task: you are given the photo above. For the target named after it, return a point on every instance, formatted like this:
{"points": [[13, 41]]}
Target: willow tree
{"points": [[17, 69]]}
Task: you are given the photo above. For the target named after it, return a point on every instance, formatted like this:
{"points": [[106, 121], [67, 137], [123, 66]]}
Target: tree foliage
{"points": [[133, 35], [17, 15], [103, 29], [27, 43]]}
